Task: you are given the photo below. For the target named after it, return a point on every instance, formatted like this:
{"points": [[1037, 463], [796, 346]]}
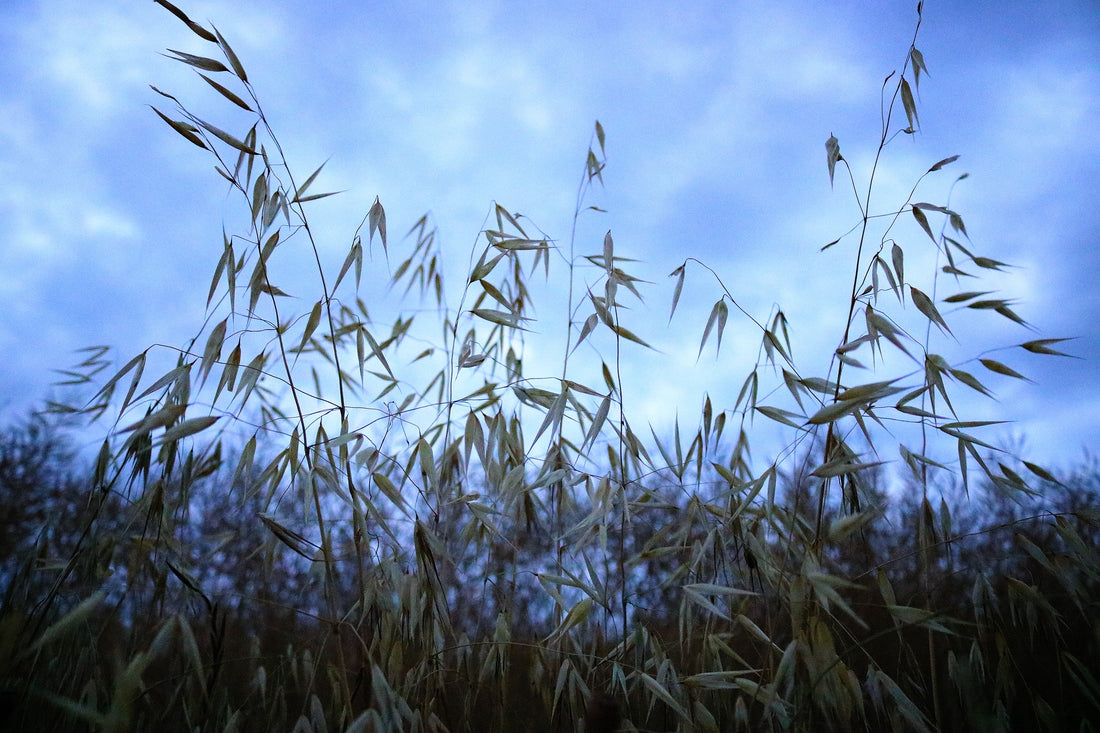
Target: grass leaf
{"points": [[195, 27], [910, 105], [923, 221], [199, 62], [996, 366], [924, 305]]}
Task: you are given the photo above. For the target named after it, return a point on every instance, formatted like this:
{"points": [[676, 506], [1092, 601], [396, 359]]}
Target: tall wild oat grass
{"points": [[349, 519]]}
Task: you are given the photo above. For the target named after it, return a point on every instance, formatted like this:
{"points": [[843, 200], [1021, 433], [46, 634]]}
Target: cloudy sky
{"points": [[716, 117]]}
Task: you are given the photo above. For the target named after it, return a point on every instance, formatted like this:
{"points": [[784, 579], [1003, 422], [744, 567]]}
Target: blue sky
{"points": [[716, 117]]}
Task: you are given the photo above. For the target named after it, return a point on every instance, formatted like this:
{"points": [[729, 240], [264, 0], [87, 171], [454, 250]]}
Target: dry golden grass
{"points": [[314, 522]]}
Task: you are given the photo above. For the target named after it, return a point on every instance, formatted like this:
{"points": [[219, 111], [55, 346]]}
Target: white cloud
{"points": [[1042, 118], [92, 55]]}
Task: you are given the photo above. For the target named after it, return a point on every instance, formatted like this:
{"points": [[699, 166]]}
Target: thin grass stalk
{"points": [[853, 298]]}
